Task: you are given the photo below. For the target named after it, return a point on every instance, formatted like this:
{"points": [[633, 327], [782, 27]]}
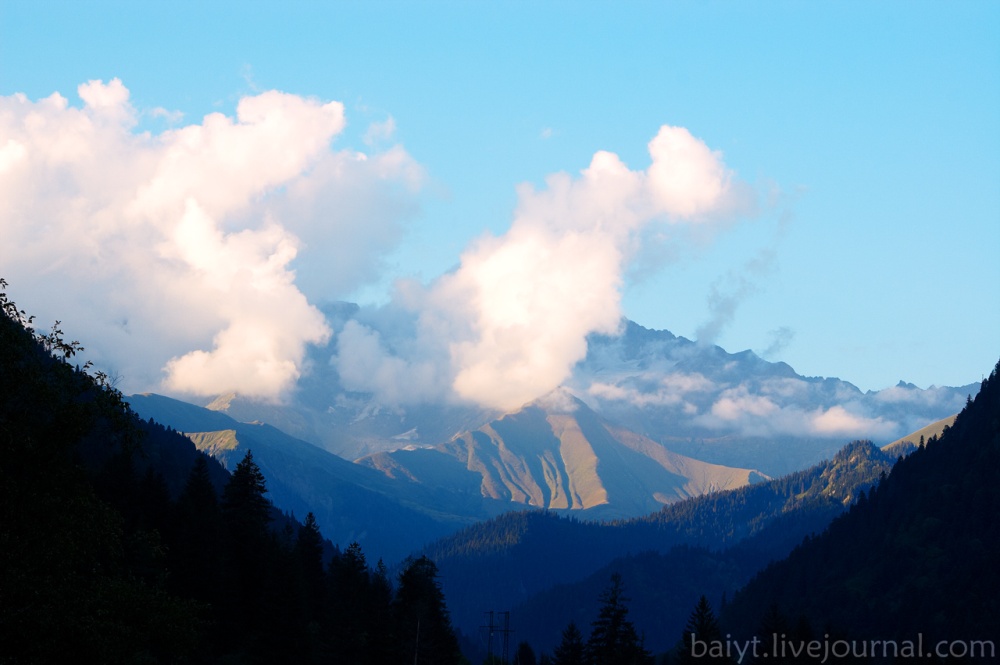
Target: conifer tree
{"points": [[702, 628], [525, 655], [197, 535], [381, 649], [198, 489], [774, 626], [248, 552], [350, 585], [570, 650], [613, 638], [424, 627], [246, 510], [309, 548]]}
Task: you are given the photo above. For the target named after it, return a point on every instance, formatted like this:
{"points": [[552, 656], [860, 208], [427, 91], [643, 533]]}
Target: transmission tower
{"points": [[497, 623]]}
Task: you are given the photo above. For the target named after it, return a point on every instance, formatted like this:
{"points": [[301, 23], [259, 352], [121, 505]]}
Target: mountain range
{"points": [[557, 453], [646, 419], [697, 400], [715, 532], [675, 442], [394, 503]]}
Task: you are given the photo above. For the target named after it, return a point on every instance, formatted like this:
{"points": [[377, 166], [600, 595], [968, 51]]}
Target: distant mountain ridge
{"points": [[394, 503], [645, 419], [731, 409], [556, 453], [739, 409]]}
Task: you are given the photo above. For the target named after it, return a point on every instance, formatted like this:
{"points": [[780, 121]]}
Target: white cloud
{"points": [[686, 177], [10, 154], [365, 364], [838, 420], [729, 292], [749, 413], [738, 404], [173, 255], [672, 390], [99, 95], [515, 314]]}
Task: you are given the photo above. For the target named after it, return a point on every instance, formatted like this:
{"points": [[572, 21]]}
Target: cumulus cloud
{"points": [[512, 319], [838, 420], [686, 177], [174, 255]]}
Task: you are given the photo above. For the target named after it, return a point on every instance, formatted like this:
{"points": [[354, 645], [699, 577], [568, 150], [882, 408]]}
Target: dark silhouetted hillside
{"points": [[121, 543], [917, 554]]}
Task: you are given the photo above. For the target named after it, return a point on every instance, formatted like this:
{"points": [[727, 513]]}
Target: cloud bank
{"points": [[175, 255], [760, 415], [734, 402], [191, 260], [509, 323]]}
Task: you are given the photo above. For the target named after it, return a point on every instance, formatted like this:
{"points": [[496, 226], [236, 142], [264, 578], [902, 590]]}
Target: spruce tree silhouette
{"points": [[613, 638], [571, 649], [701, 633], [425, 630]]}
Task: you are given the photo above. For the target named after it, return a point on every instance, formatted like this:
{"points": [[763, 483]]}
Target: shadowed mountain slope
{"points": [[352, 502]]}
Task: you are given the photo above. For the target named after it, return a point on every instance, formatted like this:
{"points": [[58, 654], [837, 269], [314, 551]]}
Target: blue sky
{"points": [[868, 133]]}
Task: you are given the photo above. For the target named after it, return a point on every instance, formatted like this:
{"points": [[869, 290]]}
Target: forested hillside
{"points": [[911, 562], [504, 562], [121, 543], [916, 555], [389, 518]]}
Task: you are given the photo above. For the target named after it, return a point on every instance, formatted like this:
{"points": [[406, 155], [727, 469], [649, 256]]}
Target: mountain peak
{"points": [[560, 401], [222, 402]]}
